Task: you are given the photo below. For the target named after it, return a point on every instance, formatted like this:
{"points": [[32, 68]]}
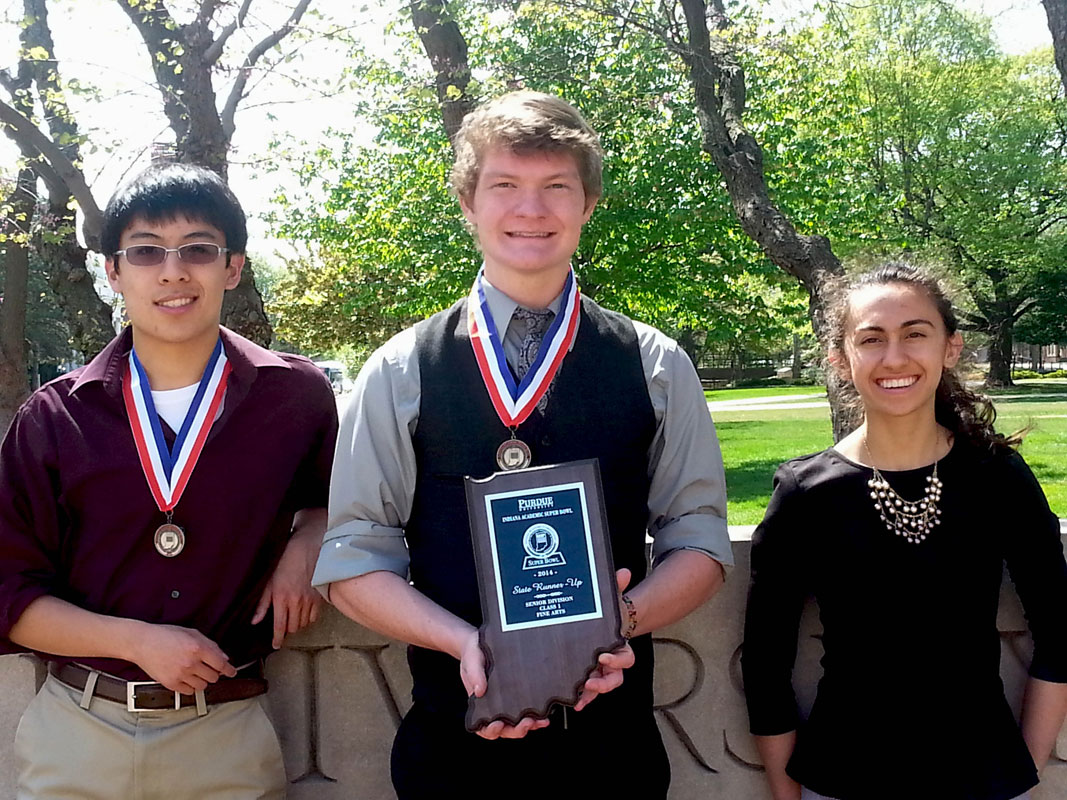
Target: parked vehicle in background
{"points": [[335, 372]]}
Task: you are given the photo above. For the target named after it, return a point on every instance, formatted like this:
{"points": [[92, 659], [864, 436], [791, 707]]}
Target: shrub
{"points": [[1056, 373], [1024, 374], [812, 376], [752, 383]]}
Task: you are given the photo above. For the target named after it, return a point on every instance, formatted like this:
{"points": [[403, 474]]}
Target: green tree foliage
{"points": [[663, 245], [1047, 323], [389, 245], [911, 132]]}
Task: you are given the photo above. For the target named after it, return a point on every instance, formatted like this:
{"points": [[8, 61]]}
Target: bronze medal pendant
{"points": [[513, 454], [169, 540]]}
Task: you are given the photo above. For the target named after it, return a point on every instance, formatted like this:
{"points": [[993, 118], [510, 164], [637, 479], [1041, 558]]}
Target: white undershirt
{"points": [[173, 404]]}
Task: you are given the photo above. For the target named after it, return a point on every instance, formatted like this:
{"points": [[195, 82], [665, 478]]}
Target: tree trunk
{"points": [[687, 340], [719, 90], [1001, 340], [14, 384], [88, 318], [16, 228], [1056, 11], [447, 49], [34, 367], [242, 310]]}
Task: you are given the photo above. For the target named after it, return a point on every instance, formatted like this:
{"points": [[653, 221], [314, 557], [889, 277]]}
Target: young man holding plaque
{"points": [[547, 377], [157, 506]]}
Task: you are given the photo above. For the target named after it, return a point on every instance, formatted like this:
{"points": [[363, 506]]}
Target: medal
{"points": [[514, 402], [168, 469], [513, 454], [169, 539]]}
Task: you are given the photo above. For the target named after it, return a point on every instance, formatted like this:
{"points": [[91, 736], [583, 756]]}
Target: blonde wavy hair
{"points": [[526, 122]]}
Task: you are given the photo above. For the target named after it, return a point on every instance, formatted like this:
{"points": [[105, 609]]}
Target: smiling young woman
{"points": [[900, 532]]}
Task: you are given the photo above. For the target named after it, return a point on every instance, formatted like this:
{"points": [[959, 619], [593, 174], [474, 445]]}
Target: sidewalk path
{"points": [[785, 401], [780, 401], [1026, 398]]}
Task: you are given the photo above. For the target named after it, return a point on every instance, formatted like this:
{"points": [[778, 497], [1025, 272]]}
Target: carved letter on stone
{"points": [[665, 709]]}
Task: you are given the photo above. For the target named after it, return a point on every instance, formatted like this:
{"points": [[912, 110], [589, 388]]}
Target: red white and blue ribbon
{"points": [[168, 468], [514, 402]]}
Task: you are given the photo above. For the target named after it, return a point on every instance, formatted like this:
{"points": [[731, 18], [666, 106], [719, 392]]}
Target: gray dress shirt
{"points": [[374, 469]]}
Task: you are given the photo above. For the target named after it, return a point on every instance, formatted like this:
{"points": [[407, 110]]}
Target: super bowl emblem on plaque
{"points": [[541, 543]]}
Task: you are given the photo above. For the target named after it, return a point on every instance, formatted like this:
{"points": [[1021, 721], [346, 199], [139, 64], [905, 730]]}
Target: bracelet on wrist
{"points": [[631, 611]]}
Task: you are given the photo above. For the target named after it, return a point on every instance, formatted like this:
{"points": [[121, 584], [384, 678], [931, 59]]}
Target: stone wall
{"points": [[338, 692]]}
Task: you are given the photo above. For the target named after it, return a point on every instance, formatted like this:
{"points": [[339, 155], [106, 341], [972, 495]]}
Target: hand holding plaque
{"points": [[548, 592], [608, 674]]}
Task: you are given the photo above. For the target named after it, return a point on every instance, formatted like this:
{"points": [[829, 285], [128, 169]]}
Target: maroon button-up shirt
{"points": [[77, 517]]}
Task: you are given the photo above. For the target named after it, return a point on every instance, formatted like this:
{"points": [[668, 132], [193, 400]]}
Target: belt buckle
{"points": [[131, 696]]}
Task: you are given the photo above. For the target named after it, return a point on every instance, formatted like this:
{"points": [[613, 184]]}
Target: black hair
{"points": [[163, 193], [965, 413]]}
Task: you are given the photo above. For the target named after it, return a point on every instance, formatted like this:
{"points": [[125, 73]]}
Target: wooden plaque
{"points": [[547, 583]]}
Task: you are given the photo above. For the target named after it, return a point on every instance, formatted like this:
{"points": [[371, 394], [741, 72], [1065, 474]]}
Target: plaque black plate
{"points": [[547, 585]]}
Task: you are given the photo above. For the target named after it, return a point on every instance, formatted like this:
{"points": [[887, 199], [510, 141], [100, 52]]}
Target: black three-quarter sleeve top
{"points": [[910, 703]]}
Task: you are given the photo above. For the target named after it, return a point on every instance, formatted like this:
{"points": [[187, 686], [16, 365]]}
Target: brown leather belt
{"points": [[148, 696]]}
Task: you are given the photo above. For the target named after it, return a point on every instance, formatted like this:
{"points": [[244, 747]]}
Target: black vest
{"points": [[598, 408]]}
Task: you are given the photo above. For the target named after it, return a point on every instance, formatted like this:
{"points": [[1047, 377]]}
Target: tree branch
{"points": [[25, 133], [237, 91], [1048, 224], [50, 94], [668, 33], [159, 31], [56, 187], [1024, 306], [976, 321], [207, 11], [719, 91], [7, 80], [213, 53]]}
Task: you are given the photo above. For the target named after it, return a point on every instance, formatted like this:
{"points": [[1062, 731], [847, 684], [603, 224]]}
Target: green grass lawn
{"points": [[755, 442], [1045, 446], [762, 391]]}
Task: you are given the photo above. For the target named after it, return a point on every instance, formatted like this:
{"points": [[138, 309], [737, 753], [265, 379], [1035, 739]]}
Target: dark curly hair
{"points": [[965, 413]]}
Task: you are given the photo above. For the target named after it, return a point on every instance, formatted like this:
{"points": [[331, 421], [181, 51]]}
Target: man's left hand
{"points": [[296, 605], [607, 675]]}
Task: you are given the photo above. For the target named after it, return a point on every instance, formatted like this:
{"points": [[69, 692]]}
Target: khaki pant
{"points": [[66, 752]]}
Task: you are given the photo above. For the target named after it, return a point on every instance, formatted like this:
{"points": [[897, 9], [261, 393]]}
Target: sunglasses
{"points": [[152, 255]]}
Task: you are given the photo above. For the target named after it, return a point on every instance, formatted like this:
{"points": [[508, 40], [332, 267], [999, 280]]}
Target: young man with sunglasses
{"points": [[428, 410], [157, 508]]}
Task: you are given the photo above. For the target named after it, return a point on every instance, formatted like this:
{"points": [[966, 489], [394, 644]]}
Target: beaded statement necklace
{"points": [[912, 519]]}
